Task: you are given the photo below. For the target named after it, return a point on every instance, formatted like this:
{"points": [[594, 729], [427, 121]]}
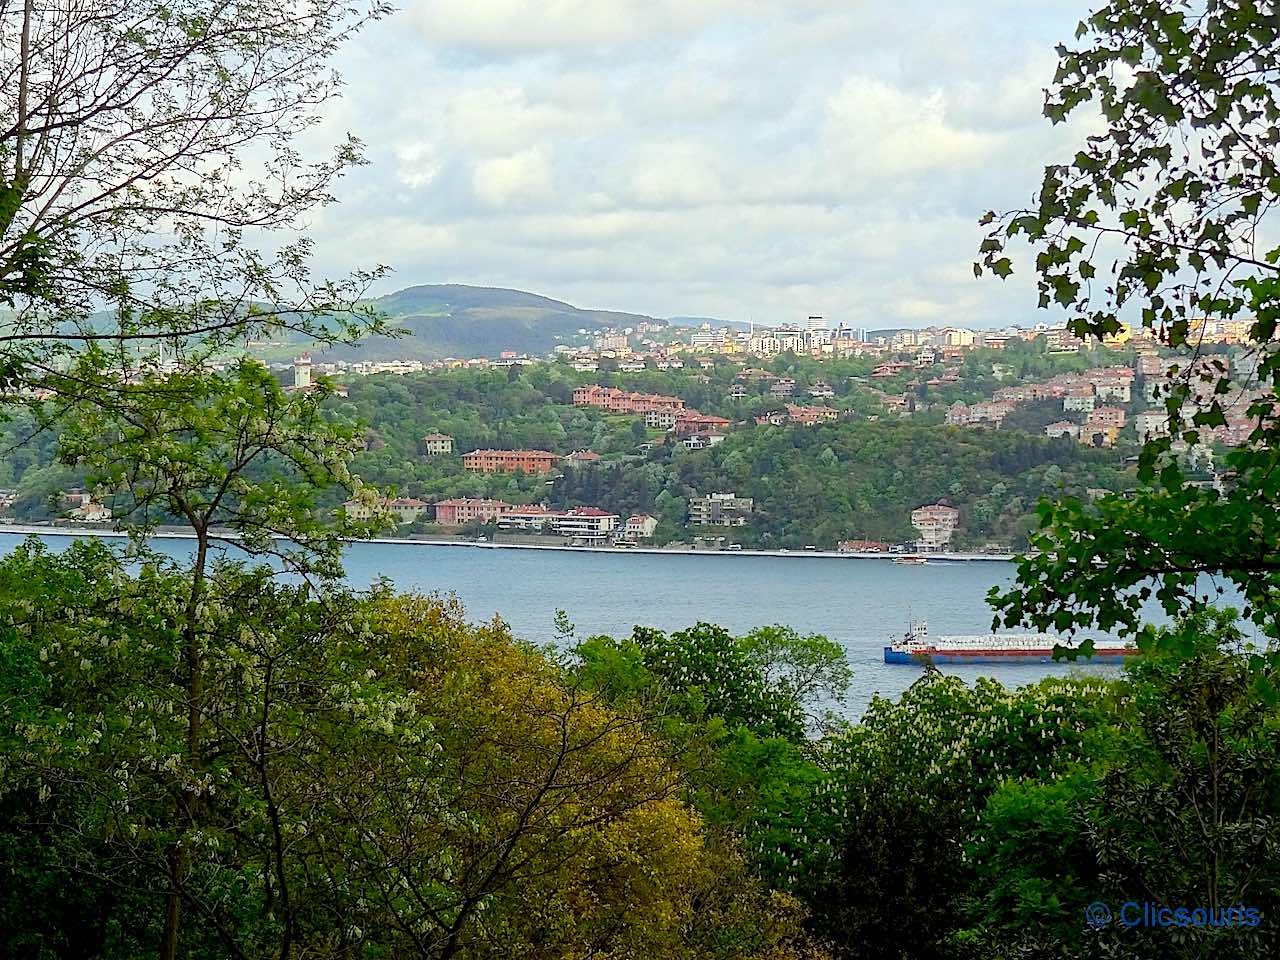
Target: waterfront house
{"points": [[457, 511], [935, 523]]}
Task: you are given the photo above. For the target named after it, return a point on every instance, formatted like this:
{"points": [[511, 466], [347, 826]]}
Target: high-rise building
{"points": [[302, 372]]}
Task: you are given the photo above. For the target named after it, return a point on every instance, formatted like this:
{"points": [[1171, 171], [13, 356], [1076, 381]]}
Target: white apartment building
{"points": [[935, 524]]}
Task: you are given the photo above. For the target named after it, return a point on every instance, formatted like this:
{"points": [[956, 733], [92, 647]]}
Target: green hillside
{"points": [[454, 320]]}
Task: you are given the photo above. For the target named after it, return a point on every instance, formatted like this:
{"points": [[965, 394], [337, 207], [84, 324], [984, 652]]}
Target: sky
{"points": [[742, 159]]}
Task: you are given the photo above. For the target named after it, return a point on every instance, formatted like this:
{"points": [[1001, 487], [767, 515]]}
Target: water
{"points": [[860, 604]]}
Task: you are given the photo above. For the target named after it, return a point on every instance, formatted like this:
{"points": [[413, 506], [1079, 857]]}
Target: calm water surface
{"points": [[859, 603]]}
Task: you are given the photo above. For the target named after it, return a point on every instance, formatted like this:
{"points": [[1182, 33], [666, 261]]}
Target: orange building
{"points": [[621, 401], [509, 461], [456, 512]]}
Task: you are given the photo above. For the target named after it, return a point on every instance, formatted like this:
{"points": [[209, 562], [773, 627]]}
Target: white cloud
{"points": [[733, 158], [515, 180], [509, 26], [419, 164], [881, 129]]}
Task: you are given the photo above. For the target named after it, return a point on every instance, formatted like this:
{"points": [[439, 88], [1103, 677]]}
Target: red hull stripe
{"points": [[1038, 652]]}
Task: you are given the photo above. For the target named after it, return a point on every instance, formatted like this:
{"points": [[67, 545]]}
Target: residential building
{"points": [[1099, 435], [1080, 399], [783, 387], [738, 392], [808, 416], [720, 509], [700, 441], [406, 509], [1118, 390], [1151, 424], [622, 401], [302, 373], [691, 422], [437, 444], [790, 338], [640, 527], [533, 517], [1105, 417], [585, 524], [935, 524], [660, 419], [764, 344], [360, 511], [509, 461], [1063, 428], [456, 512], [821, 390], [581, 458]]}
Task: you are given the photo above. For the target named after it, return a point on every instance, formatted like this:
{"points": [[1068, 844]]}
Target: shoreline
{"points": [[68, 531]]}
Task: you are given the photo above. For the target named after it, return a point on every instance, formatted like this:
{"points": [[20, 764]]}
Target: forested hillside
{"points": [[855, 478]]}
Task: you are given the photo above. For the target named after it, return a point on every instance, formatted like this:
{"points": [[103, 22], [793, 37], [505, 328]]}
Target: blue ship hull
{"points": [[901, 656]]}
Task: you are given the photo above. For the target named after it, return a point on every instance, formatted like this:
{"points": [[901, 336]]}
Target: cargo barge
{"points": [[917, 646]]}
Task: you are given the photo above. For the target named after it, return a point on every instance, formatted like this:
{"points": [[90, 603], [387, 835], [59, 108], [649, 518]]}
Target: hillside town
{"points": [[934, 375]]}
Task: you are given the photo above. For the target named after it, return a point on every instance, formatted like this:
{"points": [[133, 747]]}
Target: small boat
{"points": [[914, 561], [917, 646]]}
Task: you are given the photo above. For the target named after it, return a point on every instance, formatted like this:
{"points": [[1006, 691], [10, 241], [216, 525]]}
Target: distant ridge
{"points": [[456, 320]]}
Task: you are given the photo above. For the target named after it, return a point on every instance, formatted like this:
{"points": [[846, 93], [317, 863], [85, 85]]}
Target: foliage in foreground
{"points": [[373, 777]]}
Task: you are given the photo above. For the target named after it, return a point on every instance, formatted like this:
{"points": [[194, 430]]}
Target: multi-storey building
{"points": [[403, 509], [640, 527], [720, 509], [1112, 389], [509, 461], [661, 419], [1151, 424], [534, 517], [437, 444], [691, 422], [585, 524], [622, 401], [406, 509], [456, 512], [1063, 428], [1105, 417], [1079, 399], [935, 524], [1099, 435]]}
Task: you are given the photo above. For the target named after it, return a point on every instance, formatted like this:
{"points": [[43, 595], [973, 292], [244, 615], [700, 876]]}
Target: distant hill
{"points": [[454, 320], [715, 322]]}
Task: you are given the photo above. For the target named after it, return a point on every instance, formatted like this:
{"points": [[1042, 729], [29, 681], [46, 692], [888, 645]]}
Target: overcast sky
{"points": [[742, 159]]}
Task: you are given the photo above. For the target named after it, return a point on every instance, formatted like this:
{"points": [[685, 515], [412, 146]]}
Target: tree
{"points": [[126, 133], [882, 840], [1174, 803], [378, 777], [1174, 193], [236, 459]]}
